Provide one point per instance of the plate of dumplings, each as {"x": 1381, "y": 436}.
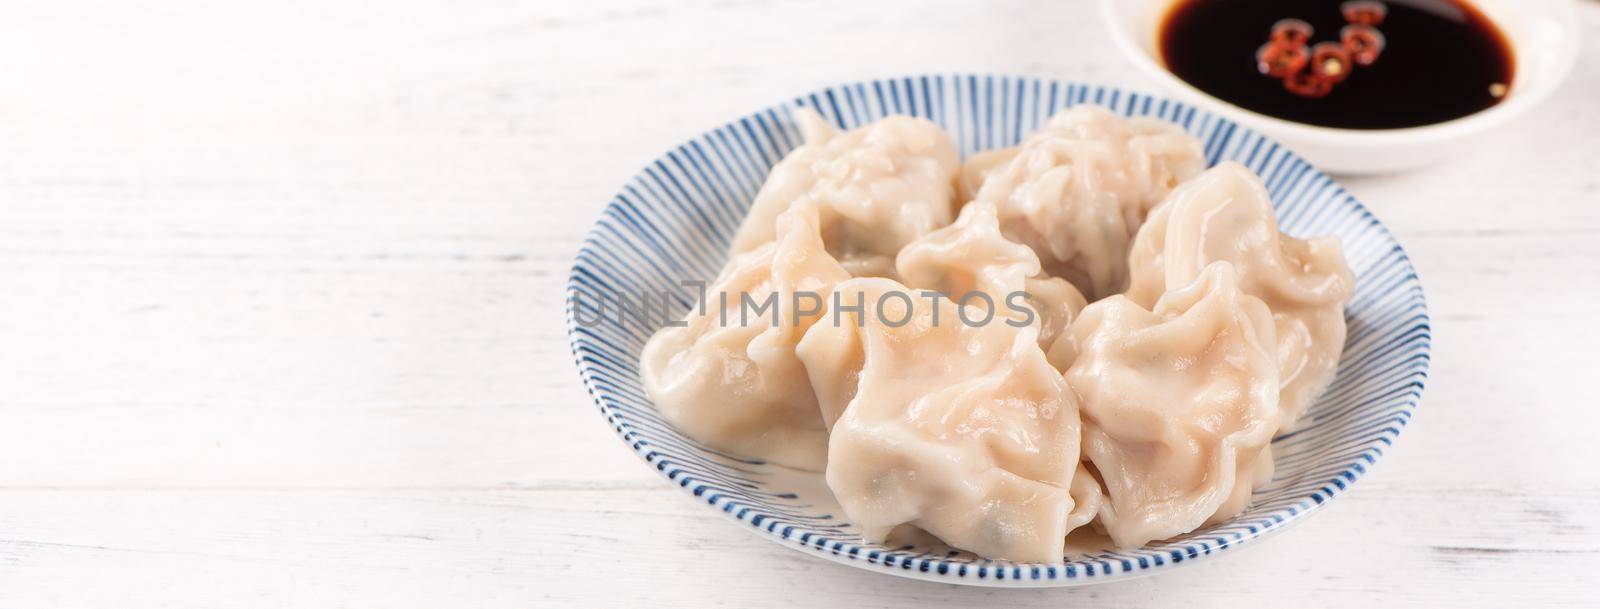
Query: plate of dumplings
{"x": 997, "y": 330}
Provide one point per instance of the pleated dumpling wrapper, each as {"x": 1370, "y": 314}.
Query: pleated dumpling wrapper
{"x": 1179, "y": 405}
{"x": 972, "y": 262}
{"x": 1077, "y": 190}
{"x": 969, "y": 180}
{"x": 729, "y": 376}
{"x": 1226, "y": 215}
{"x": 876, "y": 187}
{"x": 964, "y": 431}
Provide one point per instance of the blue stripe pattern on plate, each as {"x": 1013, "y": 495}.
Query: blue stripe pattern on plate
{"x": 674, "y": 220}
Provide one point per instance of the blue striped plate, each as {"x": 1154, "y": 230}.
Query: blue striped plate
{"x": 673, "y": 222}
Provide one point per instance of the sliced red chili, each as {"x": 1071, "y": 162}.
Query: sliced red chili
{"x": 1364, "y": 43}
{"x": 1364, "y": 12}
{"x": 1293, "y": 32}
{"x": 1280, "y": 60}
{"x": 1331, "y": 62}
{"x": 1307, "y": 84}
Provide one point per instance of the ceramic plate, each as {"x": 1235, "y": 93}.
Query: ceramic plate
{"x": 673, "y": 222}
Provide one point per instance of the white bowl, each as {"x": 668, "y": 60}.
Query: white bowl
{"x": 1544, "y": 40}
{"x": 672, "y": 222}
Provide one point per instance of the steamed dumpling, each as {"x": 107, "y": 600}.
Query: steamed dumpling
{"x": 963, "y": 431}
{"x": 968, "y": 256}
{"x": 977, "y": 169}
{"x": 1178, "y": 404}
{"x": 1077, "y": 190}
{"x": 876, "y": 188}
{"x": 1058, "y": 303}
{"x": 1225, "y": 214}
{"x": 729, "y": 377}
{"x": 972, "y": 256}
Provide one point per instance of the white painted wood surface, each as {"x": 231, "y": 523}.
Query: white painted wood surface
{"x": 280, "y": 314}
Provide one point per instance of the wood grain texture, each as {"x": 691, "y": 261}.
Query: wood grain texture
{"x": 283, "y": 289}
{"x": 651, "y": 547}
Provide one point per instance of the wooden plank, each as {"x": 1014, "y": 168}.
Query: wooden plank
{"x": 1484, "y": 547}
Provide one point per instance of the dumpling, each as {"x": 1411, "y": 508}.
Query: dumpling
{"x": 1088, "y": 497}
{"x": 1077, "y": 190}
{"x": 1058, "y": 303}
{"x": 876, "y": 188}
{"x": 729, "y": 377}
{"x": 969, "y": 256}
{"x": 972, "y": 256}
{"x": 964, "y": 431}
{"x": 1178, "y": 404}
{"x": 1225, "y": 214}
{"x": 977, "y": 168}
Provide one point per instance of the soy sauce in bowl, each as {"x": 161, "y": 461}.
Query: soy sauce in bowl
{"x": 1439, "y": 59}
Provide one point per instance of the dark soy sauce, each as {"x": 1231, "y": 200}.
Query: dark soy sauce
{"x": 1443, "y": 60}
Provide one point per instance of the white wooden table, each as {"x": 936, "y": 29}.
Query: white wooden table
{"x": 281, "y": 314}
